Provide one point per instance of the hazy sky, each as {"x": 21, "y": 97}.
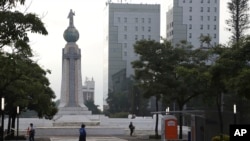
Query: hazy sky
{"x": 89, "y": 21}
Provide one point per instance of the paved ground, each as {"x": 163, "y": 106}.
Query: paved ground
{"x": 97, "y": 138}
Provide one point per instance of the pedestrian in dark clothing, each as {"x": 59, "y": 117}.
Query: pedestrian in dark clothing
{"x": 31, "y": 132}
{"x": 82, "y": 131}
{"x": 131, "y": 127}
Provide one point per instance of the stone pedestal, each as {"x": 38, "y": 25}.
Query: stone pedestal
{"x": 73, "y": 111}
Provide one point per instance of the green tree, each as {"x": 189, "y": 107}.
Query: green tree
{"x": 118, "y": 102}
{"x": 23, "y": 81}
{"x": 24, "y": 84}
{"x": 176, "y": 74}
{"x": 92, "y": 107}
{"x": 239, "y": 18}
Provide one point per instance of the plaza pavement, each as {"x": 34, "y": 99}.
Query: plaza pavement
{"x": 88, "y": 139}
{"x": 99, "y": 138}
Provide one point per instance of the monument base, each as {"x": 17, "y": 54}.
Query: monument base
{"x": 73, "y": 111}
{"x": 74, "y": 117}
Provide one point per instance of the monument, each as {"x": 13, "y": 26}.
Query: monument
{"x": 71, "y": 101}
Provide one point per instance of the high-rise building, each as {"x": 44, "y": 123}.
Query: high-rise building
{"x": 191, "y": 19}
{"x": 126, "y": 23}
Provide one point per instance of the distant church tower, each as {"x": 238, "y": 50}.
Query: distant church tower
{"x": 71, "y": 101}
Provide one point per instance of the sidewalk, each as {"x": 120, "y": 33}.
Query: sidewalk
{"x": 88, "y": 139}
{"x": 97, "y": 138}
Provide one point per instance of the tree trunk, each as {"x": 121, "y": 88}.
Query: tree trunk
{"x": 156, "y": 120}
{"x": 9, "y": 123}
{"x": 219, "y": 108}
{"x": 12, "y": 134}
{"x": 180, "y": 121}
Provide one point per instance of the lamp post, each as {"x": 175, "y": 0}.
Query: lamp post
{"x": 235, "y": 120}
{"x": 17, "y": 111}
{"x": 167, "y": 110}
{"x": 2, "y": 108}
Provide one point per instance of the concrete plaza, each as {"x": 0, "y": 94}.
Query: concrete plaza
{"x": 99, "y": 138}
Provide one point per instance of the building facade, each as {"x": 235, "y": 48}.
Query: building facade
{"x": 125, "y": 24}
{"x": 191, "y": 19}
{"x": 88, "y": 90}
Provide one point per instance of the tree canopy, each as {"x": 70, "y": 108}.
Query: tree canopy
{"x": 23, "y": 81}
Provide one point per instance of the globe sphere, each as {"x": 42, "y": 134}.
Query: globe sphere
{"x": 71, "y": 34}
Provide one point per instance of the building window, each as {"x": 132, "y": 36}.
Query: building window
{"x": 190, "y": 35}
{"x": 149, "y": 37}
{"x": 190, "y": 18}
{"x": 208, "y": 9}
{"x": 201, "y": 9}
{"x": 125, "y": 37}
{"x": 149, "y": 29}
{"x": 136, "y": 37}
{"x": 215, "y": 1}
{"x": 214, "y": 18}
{"x": 142, "y": 20}
{"x": 136, "y": 20}
{"x": 183, "y": 1}
{"x": 208, "y": 27}
{"x": 215, "y": 9}
{"x": 190, "y": 1}
{"x": 149, "y": 20}
{"x": 208, "y": 18}
{"x": 208, "y": 1}
{"x": 201, "y": 26}
{"x": 214, "y": 35}
{"x": 201, "y": 1}
{"x": 125, "y": 53}
{"x": 190, "y": 9}
{"x": 125, "y": 20}
{"x": 190, "y": 26}
{"x": 136, "y": 28}
{"x": 119, "y": 19}
{"x": 214, "y": 27}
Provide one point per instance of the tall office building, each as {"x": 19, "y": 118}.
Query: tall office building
{"x": 190, "y": 19}
{"x": 126, "y": 23}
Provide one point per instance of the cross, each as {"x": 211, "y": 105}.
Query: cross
{"x": 72, "y": 56}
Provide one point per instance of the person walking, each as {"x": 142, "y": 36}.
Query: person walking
{"x": 83, "y": 134}
{"x": 131, "y": 127}
{"x": 31, "y": 132}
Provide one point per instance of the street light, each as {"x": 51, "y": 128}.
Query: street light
{"x": 17, "y": 111}
{"x": 235, "y": 121}
{"x": 2, "y": 108}
{"x": 167, "y": 110}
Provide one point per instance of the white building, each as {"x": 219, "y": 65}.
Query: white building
{"x": 190, "y": 19}
{"x": 89, "y": 90}
{"x": 127, "y": 23}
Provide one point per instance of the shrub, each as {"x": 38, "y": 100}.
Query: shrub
{"x": 15, "y": 138}
{"x": 224, "y": 138}
{"x": 120, "y": 115}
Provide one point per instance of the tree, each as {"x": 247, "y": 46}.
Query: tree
{"x": 92, "y": 107}
{"x": 239, "y": 18}
{"x": 118, "y": 102}
{"x": 24, "y": 84}
{"x": 23, "y": 81}
{"x": 177, "y": 74}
